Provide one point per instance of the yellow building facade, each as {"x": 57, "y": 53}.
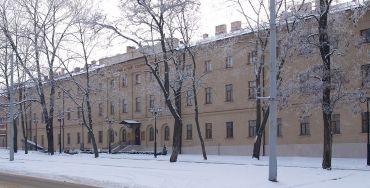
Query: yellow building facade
{"x": 124, "y": 91}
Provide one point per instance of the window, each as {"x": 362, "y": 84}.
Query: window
{"x": 151, "y": 76}
{"x": 151, "y": 101}
{"x": 189, "y": 98}
{"x": 124, "y": 81}
{"x": 229, "y": 62}
{"x": 166, "y": 133}
{"x": 42, "y": 139}
{"x": 151, "y": 134}
{"x": 78, "y": 138}
{"x": 68, "y": 138}
{"x": 305, "y": 125}
{"x": 42, "y": 118}
{"x": 111, "y": 108}
{"x": 89, "y": 138}
{"x": 207, "y": 66}
{"x": 229, "y": 92}
{"x": 111, "y": 136}
{"x": 229, "y": 129}
{"x": 365, "y": 74}
{"x": 137, "y": 104}
{"x": 335, "y": 123}
{"x": 208, "y": 95}
{"x": 365, "y": 122}
{"x": 252, "y": 57}
{"x": 100, "y": 109}
{"x": 365, "y": 34}
{"x": 34, "y": 139}
{"x": 208, "y": 130}
{"x": 112, "y": 83}
{"x": 68, "y": 114}
{"x": 100, "y": 139}
{"x": 124, "y": 106}
{"x": 303, "y": 86}
{"x": 137, "y": 79}
{"x": 79, "y": 112}
{"x": 279, "y": 124}
{"x": 59, "y": 139}
{"x": 189, "y": 70}
{"x": 252, "y": 90}
{"x": 189, "y": 131}
{"x": 59, "y": 94}
{"x": 252, "y": 128}
{"x": 124, "y": 135}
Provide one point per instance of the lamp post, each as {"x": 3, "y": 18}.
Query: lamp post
{"x": 272, "y": 91}
{"x": 60, "y": 131}
{"x": 155, "y": 111}
{"x": 110, "y": 136}
{"x": 363, "y": 100}
{"x": 63, "y": 122}
{"x": 35, "y": 121}
{"x": 82, "y": 145}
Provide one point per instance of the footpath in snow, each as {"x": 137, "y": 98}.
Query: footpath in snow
{"x": 142, "y": 171}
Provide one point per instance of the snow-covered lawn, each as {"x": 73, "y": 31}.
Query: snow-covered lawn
{"x": 136, "y": 171}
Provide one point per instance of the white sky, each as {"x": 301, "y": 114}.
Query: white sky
{"x": 213, "y": 12}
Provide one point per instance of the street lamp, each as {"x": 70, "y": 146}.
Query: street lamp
{"x": 110, "y": 135}
{"x": 82, "y": 145}
{"x": 35, "y": 121}
{"x": 363, "y": 100}
{"x": 155, "y": 111}
{"x": 60, "y": 117}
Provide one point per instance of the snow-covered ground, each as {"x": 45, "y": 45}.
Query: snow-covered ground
{"x": 139, "y": 171}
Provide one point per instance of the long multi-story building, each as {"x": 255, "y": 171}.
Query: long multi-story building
{"x": 125, "y": 92}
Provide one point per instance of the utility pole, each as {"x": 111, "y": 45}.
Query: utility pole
{"x": 273, "y": 106}
{"x": 11, "y": 115}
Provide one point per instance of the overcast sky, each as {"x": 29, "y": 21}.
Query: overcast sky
{"x": 213, "y": 12}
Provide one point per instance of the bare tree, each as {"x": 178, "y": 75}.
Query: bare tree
{"x": 45, "y": 25}
{"x": 256, "y": 15}
{"x": 153, "y": 28}
{"x": 86, "y": 38}
{"x": 327, "y": 32}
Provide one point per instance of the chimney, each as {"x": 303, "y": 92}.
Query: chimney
{"x": 62, "y": 71}
{"x": 77, "y": 69}
{"x": 93, "y": 63}
{"x": 205, "y": 35}
{"x": 236, "y": 26}
{"x": 130, "y": 49}
{"x": 220, "y": 29}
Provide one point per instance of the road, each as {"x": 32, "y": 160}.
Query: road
{"x": 18, "y": 181}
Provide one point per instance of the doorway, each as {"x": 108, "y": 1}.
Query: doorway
{"x": 137, "y": 136}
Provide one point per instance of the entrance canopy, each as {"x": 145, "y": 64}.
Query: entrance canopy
{"x": 130, "y": 122}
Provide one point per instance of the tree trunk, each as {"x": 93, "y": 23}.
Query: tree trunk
{"x": 257, "y": 147}
{"x": 260, "y": 131}
{"x": 15, "y": 135}
{"x": 324, "y": 46}
{"x": 328, "y": 140}
{"x": 89, "y": 116}
{"x": 197, "y": 123}
{"x": 178, "y": 123}
{"x": 196, "y": 108}
{"x": 95, "y": 147}
{"x": 176, "y": 140}
{"x": 24, "y": 128}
